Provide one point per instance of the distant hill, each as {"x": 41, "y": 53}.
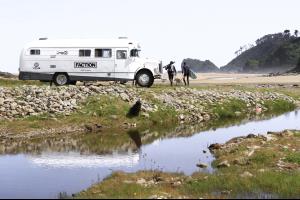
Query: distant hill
{"x": 278, "y": 52}
{"x": 297, "y": 68}
{"x": 201, "y": 66}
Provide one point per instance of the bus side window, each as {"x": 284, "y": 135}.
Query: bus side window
{"x": 35, "y": 52}
{"x": 84, "y": 53}
{"x": 103, "y": 53}
{"x": 121, "y": 54}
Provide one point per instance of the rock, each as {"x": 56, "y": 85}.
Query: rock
{"x": 246, "y": 175}
{"x": 73, "y": 102}
{"x": 206, "y": 117}
{"x": 124, "y": 97}
{"x": 215, "y": 147}
{"x": 251, "y": 136}
{"x": 177, "y": 184}
{"x": 2, "y": 101}
{"x": 223, "y": 164}
{"x": 241, "y": 161}
{"x": 238, "y": 114}
{"x": 13, "y": 106}
{"x": 202, "y": 165}
{"x": 181, "y": 117}
{"x": 258, "y": 110}
{"x": 225, "y": 192}
{"x": 269, "y": 138}
{"x": 287, "y": 133}
{"x": 113, "y": 117}
{"x": 146, "y": 115}
{"x": 67, "y": 95}
{"x": 30, "y": 110}
{"x": 93, "y": 128}
{"x": 262, "y": 170}
{"x": 141, "y": 181}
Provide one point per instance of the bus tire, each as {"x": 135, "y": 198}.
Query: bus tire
{"x": 144, "y": 78}
{"x": 61, "y": 79}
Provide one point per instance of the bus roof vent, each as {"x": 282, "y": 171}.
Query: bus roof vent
{"x": 123, "y": 38}
{"x": 43, "y": 38}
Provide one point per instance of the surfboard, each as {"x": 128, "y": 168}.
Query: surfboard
{"x": 193, "y": 74}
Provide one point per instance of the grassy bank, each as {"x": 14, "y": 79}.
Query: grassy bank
{"x": 111, "y": 115}
{"x": 14, "y": 83}
{"x": 102, "y": 124}
{"x": 109, "y": 112}
{"x": 270, "y": 171}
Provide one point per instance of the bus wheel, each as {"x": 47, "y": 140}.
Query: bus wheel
{"x": 145, "y": 79}
{"x": 61, "y": 79}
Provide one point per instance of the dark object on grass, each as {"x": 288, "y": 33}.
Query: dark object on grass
{"x": 135, "y": 110}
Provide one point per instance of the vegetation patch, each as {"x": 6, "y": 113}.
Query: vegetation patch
{"x": 15, "y": 82}
{"x": 293, "y": 158}
{"x": 279, "y": 106}
{"x": 230, "y": 109}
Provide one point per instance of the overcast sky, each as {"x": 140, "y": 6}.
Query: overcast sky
{"x": 167, "y": 29}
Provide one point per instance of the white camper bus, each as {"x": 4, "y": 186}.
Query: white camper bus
{"x": 66, "y": 61}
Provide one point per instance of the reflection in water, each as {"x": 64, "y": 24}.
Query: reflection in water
{"x": 108, "y": 143}
{"x": 75, "y": 160}
{"x": 135, "y": 136}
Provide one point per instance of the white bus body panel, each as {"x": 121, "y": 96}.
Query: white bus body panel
{"x": 57, "y": 56}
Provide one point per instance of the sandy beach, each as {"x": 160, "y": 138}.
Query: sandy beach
{"x": 219, "y": 78}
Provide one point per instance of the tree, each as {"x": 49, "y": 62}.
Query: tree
{"x": 296, "y": 33}
{"x": 297, "y": 68}
{"x": 252, "y": 65}
{"x": 287, "y": 33}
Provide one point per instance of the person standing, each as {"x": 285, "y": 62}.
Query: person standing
{"x": 171, "y": 71}
{"x": 186, "y": 73}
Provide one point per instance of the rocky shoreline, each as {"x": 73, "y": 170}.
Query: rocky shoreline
{"x": 230, "y": 154}
{"x": 26, "y": 101}
{"x": 191, "y": 104}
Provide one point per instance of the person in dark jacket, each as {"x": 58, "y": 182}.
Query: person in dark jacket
{"x": 186, "y": 73}
{"x": 171, "y": 71}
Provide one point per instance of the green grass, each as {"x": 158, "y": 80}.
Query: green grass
{"x": 293, "y": 158}
{"x": 297, "y": 134}
{"x": 15, "y": 82}
{"x": 276, "y": 183}
{"x": 279, "y": 106}
{"x": 228, "y": 110}
{"x": 265, "y": 158}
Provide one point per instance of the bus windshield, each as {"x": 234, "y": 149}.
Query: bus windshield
{"x": 135, "y": 53}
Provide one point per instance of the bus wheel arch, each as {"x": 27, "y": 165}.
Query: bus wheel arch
{"x": 144, "y": 78}
{"x": 61, "y": 78}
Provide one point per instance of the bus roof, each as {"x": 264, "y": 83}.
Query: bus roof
{"x": 83, "y": 43}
